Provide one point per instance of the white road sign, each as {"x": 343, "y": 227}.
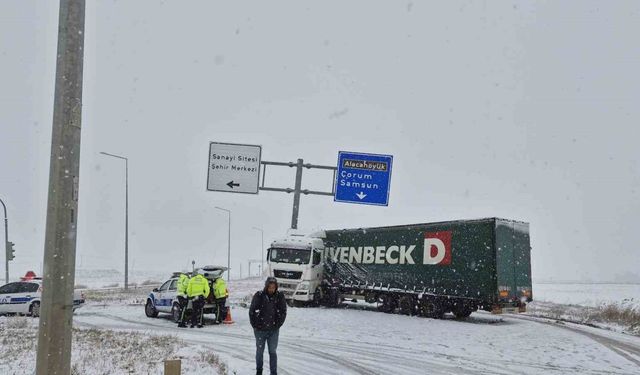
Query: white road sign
{"x": 233, "y": 168}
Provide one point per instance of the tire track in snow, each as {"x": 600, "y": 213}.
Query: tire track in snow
{"x": 296, "y": 348}
{"x": 621, "y": 348}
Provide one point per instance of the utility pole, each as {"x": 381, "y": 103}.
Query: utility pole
{"x": 6, "y": 243}
{"x": 261, "y": 247}
{"x": 126, "y": 216}
{"x": 54, "y": 334}
{"x": 297, "y": 190}
{"x": 228, "y": 241}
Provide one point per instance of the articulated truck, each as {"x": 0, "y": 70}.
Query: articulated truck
{"x": 419, "y": 269}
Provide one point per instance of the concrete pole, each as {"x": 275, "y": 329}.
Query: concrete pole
{"x": 54, "y": 334}
{"x": 296, "y": 194}
{"x": 6, "y": 243}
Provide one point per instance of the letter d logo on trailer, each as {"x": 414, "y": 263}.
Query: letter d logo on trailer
{"x": 437, "y": 248}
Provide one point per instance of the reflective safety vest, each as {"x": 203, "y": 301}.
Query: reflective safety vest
{"x": 220, "y": 288}
{"x": 198, "y": 286}
{"x": 183, "y": 283}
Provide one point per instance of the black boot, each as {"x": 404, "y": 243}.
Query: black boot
{"x": 259, "y": 372}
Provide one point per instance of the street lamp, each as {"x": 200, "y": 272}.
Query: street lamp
{"x": 6, "y": 242}
{"x": 261, "y": 249}
{"x": 126, "y": 217}
{"x": 228, "y": 241}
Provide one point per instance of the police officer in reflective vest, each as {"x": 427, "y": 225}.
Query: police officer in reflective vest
{"x": 197, "y": 290}
{"x": 183, "y": 283}
{"x": 221, "y": 293}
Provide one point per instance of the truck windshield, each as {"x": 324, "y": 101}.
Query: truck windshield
{"x": 299, "y": 256}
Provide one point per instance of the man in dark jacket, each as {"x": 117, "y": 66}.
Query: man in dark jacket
{"x": 267, "y": 314}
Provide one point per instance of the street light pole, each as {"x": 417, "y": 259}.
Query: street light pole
{"x": 6, "y": 243}
{"x": 126, "y": 216}
{"x": 261, "y": 249}
{"x": 228, "y": 242}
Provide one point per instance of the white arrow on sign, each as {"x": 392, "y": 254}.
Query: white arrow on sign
{"x": 361, "y": 195}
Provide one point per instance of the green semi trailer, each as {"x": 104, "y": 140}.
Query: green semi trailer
{"x": 425, "y": 269}
{"x": 431, "y": 269}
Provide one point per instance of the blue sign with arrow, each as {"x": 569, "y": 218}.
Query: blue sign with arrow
{"x": 363, "y": 178}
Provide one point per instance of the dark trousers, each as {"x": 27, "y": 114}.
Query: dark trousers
{"x": 270, "y": 337}
{"x": 196, "y": 312}
{"x": 183, "y": 302}
{"x": 221, "y": 311}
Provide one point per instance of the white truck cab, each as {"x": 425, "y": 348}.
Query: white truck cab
{"x": 296, "y": 261}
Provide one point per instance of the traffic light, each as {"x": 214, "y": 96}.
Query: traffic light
{"x": 10, "y": 251}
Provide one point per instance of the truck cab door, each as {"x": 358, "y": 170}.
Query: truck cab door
{"x": 317, "y": 267}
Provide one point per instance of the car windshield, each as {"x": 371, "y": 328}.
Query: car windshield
{"x": 299, "y": 256}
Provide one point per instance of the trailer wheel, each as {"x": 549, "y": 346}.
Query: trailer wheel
{"x": 462, "y": 312}
{"x": 407, "y": 305}
{"x": 431, "y": 309}
{"x": 333, "y": 298}
{"x": 386, "y": 303}
{"x": 370, "y": 297}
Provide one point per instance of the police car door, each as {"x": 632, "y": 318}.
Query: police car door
{"x": 161, "y": 298}
{"x": 7, "y": 292}
{"x": 27, "y": 292}
{"x": 170, "y": 295}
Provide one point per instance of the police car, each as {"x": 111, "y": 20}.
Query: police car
{"x": 164, "y": 299}
{"x": 23, "y": 297}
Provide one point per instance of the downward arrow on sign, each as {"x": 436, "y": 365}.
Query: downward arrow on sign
{"x": 361, "y": 195}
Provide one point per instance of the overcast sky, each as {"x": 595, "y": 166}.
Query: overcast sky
{"x": 496, "y": 108}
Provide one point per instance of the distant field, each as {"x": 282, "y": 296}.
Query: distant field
{"x": 587, "y": 294}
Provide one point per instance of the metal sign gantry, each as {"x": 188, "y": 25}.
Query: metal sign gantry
{"x": 297, "y": 190}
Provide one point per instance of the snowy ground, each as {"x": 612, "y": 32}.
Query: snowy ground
{"x": 588, "y": 294}
{"x": 360, "y": 341}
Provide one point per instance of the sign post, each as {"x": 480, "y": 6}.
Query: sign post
{"x": 233, "y": 168}
{"x": 363, "y": 178}
{"x": 359, "y": 178}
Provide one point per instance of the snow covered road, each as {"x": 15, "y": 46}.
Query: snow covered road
{"x": 355, "y": 341}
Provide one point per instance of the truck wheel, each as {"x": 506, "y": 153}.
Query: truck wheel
{"x": 407, "y": 305}
{"x": 150, "y": 310}
{"x": 462, "y": 312}
{"x": 431, "y": 309}
{"x": 386, "y": 303}
{"x": 176, "y": 312}
{"x": 35, "y": 309}
{"x": 317, "y": 297}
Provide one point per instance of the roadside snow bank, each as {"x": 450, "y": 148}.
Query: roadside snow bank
{"x": 620, "y": 317}
{"x": 98, "y": 352}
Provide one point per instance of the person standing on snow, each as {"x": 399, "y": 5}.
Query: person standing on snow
{"x": 183, "y": 283}
{"x": 197, "y": 290}
{"x": 267, "y": 314}
{"x": 220, "y": 293}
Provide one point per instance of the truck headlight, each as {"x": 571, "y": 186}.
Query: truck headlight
{"x": 303, "y": 285}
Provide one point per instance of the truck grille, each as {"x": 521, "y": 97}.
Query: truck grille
{"x": 287, "y": 274}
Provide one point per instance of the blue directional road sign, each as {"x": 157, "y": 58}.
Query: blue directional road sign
{"x": 363, "y": 178}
